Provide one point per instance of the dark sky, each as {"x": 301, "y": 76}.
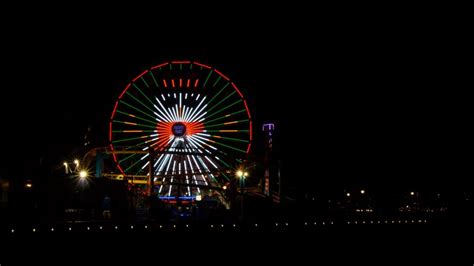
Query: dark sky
{"x": 371, "y": 102}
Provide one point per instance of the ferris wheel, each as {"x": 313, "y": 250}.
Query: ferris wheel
{"x": 194, "y": 118}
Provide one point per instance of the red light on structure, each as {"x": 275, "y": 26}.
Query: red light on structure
{"x": 222, "y": 75}
{"x": 110, "y": 127}
{"x": 196, "y": 83}
{"x": 158, "y": 66}
{"x": 164, "y": 82}
{"x": 123, "y": 92}
{"x": 247, "y": 108}
{"x": 139, "y": 76}
{"x": 250, "y": 130}
{"x": 199, "y": 64}
{"x": 180, "y": 62}
{"x": 115, "y": 109}
{"x": 238, "y": 91}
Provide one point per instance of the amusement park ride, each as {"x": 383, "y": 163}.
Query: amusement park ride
{"x": 178, "y": 131}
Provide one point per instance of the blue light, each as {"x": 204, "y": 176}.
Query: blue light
{"x": 182, "y": 197}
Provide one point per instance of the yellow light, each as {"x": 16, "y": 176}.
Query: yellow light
{"x": 224, "y": 187}
{"x": 362, "y": 191}
{"x": 76, "y": 161}
{"x": 246, "y": 174}
{"x": 83, "y": 174}
{"x": 240, "y": 173}
{"x": 65, "y": 164}
{"x": 348, "y": 194}
{"x": 412, "y": 193}
{"x": 198, "y": 198}
{"x": 29, "y": 185}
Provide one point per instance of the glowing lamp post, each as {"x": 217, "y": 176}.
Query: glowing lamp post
{"x": 241, "y": 175}
{"x": 83, "y": 174}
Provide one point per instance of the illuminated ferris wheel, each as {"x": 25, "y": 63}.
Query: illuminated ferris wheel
{"x": 194, "y": 118}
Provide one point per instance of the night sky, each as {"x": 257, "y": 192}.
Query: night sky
{"x": 353, "y": 102}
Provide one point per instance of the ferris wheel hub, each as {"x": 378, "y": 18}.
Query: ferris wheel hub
{"x": 178, "y": 129}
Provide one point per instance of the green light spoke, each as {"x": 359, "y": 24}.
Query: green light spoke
{"x": 144, "y": 95}
{"x": 227, "y": 123}
{"x": 128, "y": 139}
{"x": 144, "y": 105}
{"x": 225, "y": 176}
{"x": 135, "y": 108}
{"x": 224, "y": 163}
{"x": 231, "y": 139}
{"x": 171, "y": 66}
{"x": 228, "y": 106}
{"x": 225, "y": 86}
{"x": 191, "y": 66}
{"x": 134, "y": 131}
{"x": 213, "y": 178}
{"x": 135, "y": 163}
{"x": 230, "y": 147}
{"x": 137, "y": 117}
{"x": 208, "y": 76}
{"x": 180, "y": 66}
{"x": 227, "y": 130}
{"x": 225, "y": 116}
{"x": 154, "y": 80}
{"x": 144, "y": 81}
{"x": 128, "y": 157}
{"x": 132, "y": 124}
{"x": 215, "y": 83}
{"x": 221, "y": 101}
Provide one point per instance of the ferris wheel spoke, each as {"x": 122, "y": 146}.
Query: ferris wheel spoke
{"x": 225, "y": 108}
{"x": 227, "y": 123}
{"x": 165, "y": 116}
{"x": 207, "y": 78}
{"x": 231, "y": 139}
{"x": 196, "y": 145}
{"x": 130, "y": 139}
{"x": 227, "y": 130}
{"x": 226, "y": 116}
{"x": 230, "y": 147}
{"x": 140, "y": 102}
{"x": 161, "y": 117}
{"x": 221, "y": 144}
{"x": 133, "y": 131}
{"x": 132, "y": 124}
{"x": 144, "y": 81}
{"x": 197, "y": 110}
{"x": 137, "y": 109}
{"x": 217, "y": 80}
{"x": 128, "y": 157}
{"x": 210, "y": 161}
{"x": 154, "y": 79}
{"x": 202, "y": 142}
{"x": 217, "y": 94}
{"x": 150, "y": 140}
{"x": 141, "y": 92}
{"x": 136, "y": 117}
{"x": 132, "y": 165}
{"x": 221, "y": 101}
{"x": 162, "y": 164}
{"x": 161, "y": 143}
